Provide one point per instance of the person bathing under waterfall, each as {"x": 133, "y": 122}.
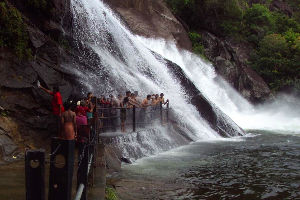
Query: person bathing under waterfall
{"x": 68, "y": 124}
{"x": 57, "y": 105}
{"x": 90, "y": 106}
{"x": 124, "y": 105}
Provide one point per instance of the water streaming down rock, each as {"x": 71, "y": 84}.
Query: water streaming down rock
{"x": 281, "y": 115}
{"x": 118, "y": 61}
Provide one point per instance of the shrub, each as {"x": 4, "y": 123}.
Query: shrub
{"x": 259, "y": 22}
{"x": 13, "y": 32}
{"x": 275, "y": 61}
{"x": 284, "y": 23}
{"x": 197, "y": 45}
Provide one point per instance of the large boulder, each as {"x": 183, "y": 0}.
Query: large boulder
{"x": 217, "y": 120}
{"x": 151, "y": 19}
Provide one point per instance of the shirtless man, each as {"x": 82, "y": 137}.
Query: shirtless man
{"x": 162, "y": 99}
{"x": 68, "y": 124}
{"x": 137, "y": 98}
{"x": 146, "y": 102}
{"x": 133, "y": 100}
{"x": 155, "y": 100}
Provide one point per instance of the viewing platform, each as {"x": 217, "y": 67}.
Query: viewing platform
{"x": 106, "y": 125}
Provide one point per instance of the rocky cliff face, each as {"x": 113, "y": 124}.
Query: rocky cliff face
{"x": 151, "y": 19}
{"x": 25, "y": 115}
{"x": 229, "y": 59}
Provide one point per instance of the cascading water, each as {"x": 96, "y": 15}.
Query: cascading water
{"x": 281, "y": 115}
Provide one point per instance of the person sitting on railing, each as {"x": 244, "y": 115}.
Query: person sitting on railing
{"x": 68, "y": 123}
{"x": 124, "y": 106}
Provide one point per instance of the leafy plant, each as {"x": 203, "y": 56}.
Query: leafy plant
{"x": 259, "y": 21}
{"x": 110, "y": 194}
{"x": 13, "y": 32}
{"x": 275, "y": 61}
{"x": 197, "y": 45}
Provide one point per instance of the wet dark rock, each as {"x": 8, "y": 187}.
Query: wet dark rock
{"x": 230, "y": 61}
{"x": 14, "y": 74}
{"x": 7, "y": 146}
{"x": 37, "y": 38}
{"x": 217, "y": 120}
{"x": 112, "y": 158}
{"x": 126, "y": 160}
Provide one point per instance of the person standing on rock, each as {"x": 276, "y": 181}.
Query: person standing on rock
{"x": 57, "y": 105}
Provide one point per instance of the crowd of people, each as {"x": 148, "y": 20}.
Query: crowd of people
{"x": 71, "y": 119}
{"x": 130, "y": 100}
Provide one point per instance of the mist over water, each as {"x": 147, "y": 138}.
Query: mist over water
{"x": 282, "y": 114}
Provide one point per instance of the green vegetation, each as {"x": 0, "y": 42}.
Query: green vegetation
{"x": 196, "y": 40}
{"x": 110, "y": 194}
{"x": 273, "y": 36}
{"x": 277, "y": 59}
{"x": 13, "y": 32}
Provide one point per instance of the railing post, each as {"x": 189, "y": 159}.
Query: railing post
{"x": 35, "y": 174}
{"x": 161, "y": 113}
{"x": 82, "y": 173}
{"x": 61, "y": 169}
{"x": 168, "y": 111}
{"x": 133, "y": 119}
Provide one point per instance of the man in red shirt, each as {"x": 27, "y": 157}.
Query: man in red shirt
{"x": 57, "y": 105}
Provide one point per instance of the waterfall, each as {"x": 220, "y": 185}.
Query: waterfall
{"x": 282, "y": 115}
{"x": 114, "y": 60}
{"x": 121, "y": 62}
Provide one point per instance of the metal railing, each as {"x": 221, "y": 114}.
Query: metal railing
{"x": 131, "y": 119}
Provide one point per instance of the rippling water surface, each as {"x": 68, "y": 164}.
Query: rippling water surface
{"x": 263, "y": 165}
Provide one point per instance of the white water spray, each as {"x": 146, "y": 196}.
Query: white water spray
{"x": 283, "y": 115}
